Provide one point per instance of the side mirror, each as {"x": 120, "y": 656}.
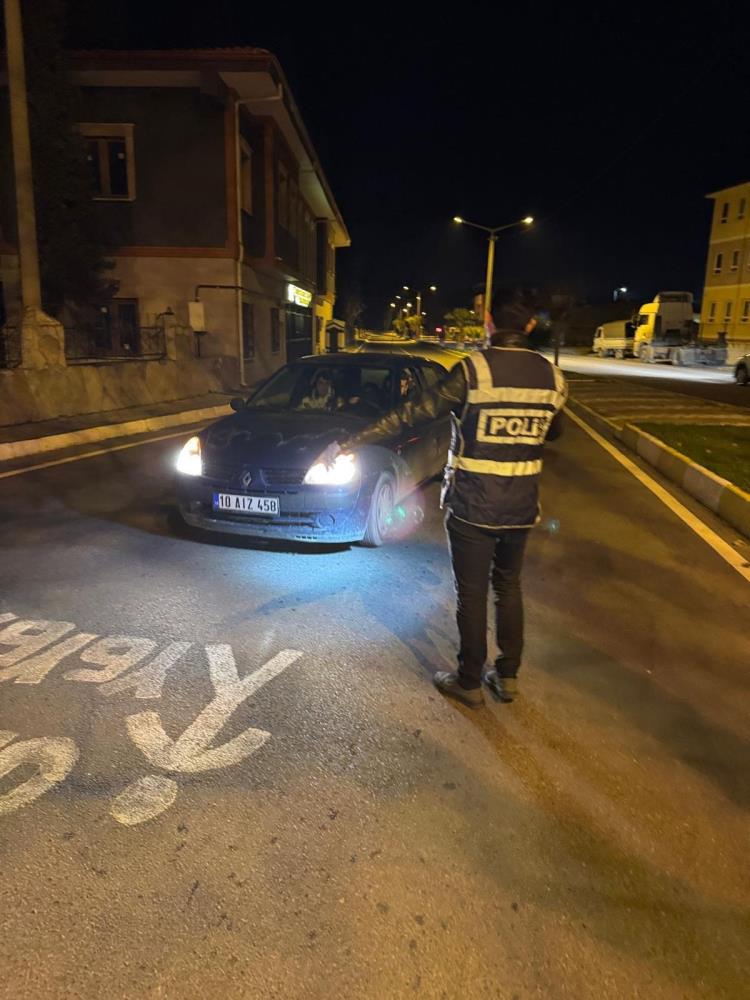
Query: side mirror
{"x": 237, "y": 404}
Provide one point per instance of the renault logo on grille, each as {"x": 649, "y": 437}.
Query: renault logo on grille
{"x": 246, "y": 479}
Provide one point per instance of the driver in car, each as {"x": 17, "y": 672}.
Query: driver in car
{"x": 321, "y": 395}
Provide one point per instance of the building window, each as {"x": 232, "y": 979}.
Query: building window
{"x": 725, "y": 212}
{"x": 727, "y": 312}
{"x": 248, "y": 332}
{"x": 741, "y": 209}
{"x": 283, "y": 197}
{"x": 246, "y": 177}
{"x": 110, "y": 159}
{"x": 711, "y": 312}
{"x": 735, "y": 259}
{"x": 293, "y": 226}
{"x": 745, "y": 317}
{"x": 311, "y": 247}
{"x": 275, "y": 332}
{"x": 718, "y": 263}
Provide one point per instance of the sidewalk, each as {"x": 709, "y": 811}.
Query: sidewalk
{"x": 620, "y": 411}
{"x": 24, "y": 440}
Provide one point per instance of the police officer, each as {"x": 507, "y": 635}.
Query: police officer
{"x": 505, "y": 402}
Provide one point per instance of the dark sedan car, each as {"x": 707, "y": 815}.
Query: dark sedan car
{"x": 258, "y": 472}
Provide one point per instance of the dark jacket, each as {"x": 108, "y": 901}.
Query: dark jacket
{"x": 491, "y": 478}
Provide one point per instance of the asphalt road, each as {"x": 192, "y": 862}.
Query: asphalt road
{"x": 246, "y": 786}
{"x": 717, "y": 384}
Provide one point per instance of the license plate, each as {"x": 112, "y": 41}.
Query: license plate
{"x": 235, "y": 503}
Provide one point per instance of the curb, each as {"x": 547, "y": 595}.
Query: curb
{"x": 722, "y": 497}
{"x": 90, "y": 435}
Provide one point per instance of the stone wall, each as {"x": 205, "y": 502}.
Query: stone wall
{"x": 27, "y": 396}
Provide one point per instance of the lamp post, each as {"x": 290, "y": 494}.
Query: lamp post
{"x": 432, "y": 288}
{"x": 619, "y": 291}
{"x": 419, "y": 295}
{"x": 492, "y": 238}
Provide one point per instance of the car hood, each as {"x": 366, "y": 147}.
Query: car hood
{"x": 276, "y": 439}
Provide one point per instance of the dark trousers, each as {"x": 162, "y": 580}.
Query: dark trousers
{"x": 475, "y": 553}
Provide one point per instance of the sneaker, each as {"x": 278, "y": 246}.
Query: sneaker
{"x": 504, "y": 689}
{"x": 448, "y": 684}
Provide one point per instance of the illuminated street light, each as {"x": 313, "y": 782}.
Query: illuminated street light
{"x": 493, "y": 231}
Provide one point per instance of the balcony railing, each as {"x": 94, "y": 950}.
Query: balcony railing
{"x": 85, "y": 344}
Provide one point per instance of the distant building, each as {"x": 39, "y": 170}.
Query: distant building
{"x": 726, "y": 294}
{"x": 206, "y": 176}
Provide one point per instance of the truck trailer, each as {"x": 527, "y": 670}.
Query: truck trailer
{"x": 666, "y": 330}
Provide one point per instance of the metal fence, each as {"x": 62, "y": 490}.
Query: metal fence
{"x": 85, "y": 344}
{"x": 10, "y": 347}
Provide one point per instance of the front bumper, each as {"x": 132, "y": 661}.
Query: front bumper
{"x": 325, "y": 514}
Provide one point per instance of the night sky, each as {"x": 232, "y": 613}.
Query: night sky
{"x": 608, "y": 127}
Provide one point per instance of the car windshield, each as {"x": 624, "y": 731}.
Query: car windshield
{"x": 366, "y": 390}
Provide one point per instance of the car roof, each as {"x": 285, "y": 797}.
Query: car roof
{"x": 361, "y": 357}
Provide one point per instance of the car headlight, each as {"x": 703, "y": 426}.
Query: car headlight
{"x": 189, "y": 461}
{"x": 342, "y": 471}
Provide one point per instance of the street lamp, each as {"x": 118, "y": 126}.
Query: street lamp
{"x": 432, "y": 288}
{"x": 493, "y": 231}
{"x": 619, "y": 291}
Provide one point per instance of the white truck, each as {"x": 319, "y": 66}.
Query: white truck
{"x": 666, "y": 330}
{"x": 614, "y": 339}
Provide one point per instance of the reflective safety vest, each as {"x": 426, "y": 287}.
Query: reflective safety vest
{"x": 492, "y": 475}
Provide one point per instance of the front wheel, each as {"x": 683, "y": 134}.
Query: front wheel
{"x": 742, "y": 375}
{"x": 381, "y": 510}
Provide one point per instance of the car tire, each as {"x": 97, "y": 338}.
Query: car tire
{"x": 382, "y": 503}
{"x": 742, "y": 376}
{"x": 619, "y": 354}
